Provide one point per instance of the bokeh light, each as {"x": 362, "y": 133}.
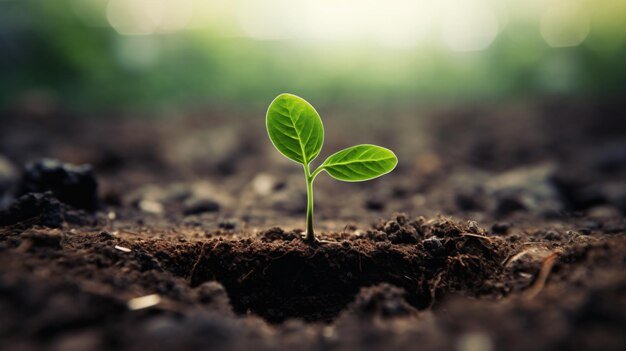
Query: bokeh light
{"x": 469, "y": 25}
{"x": 565, "y": 23}
{"x": 143, "y": 17}
{"x": 233, "y": 50}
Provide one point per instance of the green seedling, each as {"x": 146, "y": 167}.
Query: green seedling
{"x": 296, "y": 130}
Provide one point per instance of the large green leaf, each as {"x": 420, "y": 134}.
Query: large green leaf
{"x": 361, "y": 162}
{"x": 295, "y": 128}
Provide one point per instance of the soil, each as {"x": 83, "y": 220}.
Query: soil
{"x": 502, "y": 228}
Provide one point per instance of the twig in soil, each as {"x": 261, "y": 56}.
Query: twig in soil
{"x": 478, "y": 236}
{"x": 459, "y": 258}
{"x": 122, "y": 248}
{"x": 542, "y": 252}
{"x": 245, "y": 276}
{"x": 317, "y": 241}
{"x": 16, "y": 226}
{"x": 193, "y": 268}
{"x": 433, "y": 289}
{"x": 142, "y": 302}
{"x": 510, "y": 259}
{"x": 344, "y": 229}
{"x": 544, "y": 272}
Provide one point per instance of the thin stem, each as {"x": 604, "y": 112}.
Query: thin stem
{"x": 310, "y": 235}
{"x": 316, "y": 172}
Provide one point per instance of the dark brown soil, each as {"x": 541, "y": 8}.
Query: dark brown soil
{"x": 502, "y": 228}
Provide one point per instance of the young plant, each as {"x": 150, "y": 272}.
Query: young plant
{"x": 296, "y": 130}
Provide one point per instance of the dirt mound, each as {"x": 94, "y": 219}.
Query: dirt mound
{"x": 42, "y": 209}
{"x": 280, "y": 276}
{"x": 190, "y": 247}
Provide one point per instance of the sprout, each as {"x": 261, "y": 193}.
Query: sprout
{"x": 296, "y": 130}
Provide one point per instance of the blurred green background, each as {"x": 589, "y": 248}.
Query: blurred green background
{"x": 149, "y": 54}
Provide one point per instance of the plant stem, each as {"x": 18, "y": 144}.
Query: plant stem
{"x": 310, "y": 235}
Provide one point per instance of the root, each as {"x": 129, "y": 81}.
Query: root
{"x": 478, "y": 236}
{"x": 195, "y": 265}
{"x": 538, "y": 252}
{"x": 433, "y": 288}
{"x": 542, "y": 277}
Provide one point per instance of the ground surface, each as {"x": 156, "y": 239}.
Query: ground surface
{"x": 502, "y": 228}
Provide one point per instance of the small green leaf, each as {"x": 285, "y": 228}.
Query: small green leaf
{"x": 361, "y": 162}
{"x": 295, "y": 128}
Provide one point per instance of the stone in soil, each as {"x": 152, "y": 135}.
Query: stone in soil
{"x": 71, "y": 184}
{"x": 42, "y": 209}
{"x": 382, "y": 300}
{"x": 194, "y": 206}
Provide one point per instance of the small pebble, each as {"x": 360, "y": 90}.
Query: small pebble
{"x": 194, "y": 206}
{"x": 329, "y": 332}
{"x": 107, "y": 234}
{"x": 263, "y": 184}
{"x": 374, "y": 204}
{"x": 434, "y": 246}
{"x": 474, "y": 341}
{"x": 473, "y": 227}
{"x": 552, "y": 235}
{"x": 228, "y": 224}
{"x": 212, "y": 292}
{"x": 150, "y": 206}
{"x": 500, "y": 228}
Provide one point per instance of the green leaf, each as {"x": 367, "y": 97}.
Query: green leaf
{"x": 361, "y": 162}
{"x": 295, "y": 128}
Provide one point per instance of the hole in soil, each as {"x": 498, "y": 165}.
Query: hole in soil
{"x": 279, "y": 276}
{"x": 280, "y": 280}
{"x": 291, "y": 279}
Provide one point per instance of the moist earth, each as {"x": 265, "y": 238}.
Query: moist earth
{"x": 502, "y": 228}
